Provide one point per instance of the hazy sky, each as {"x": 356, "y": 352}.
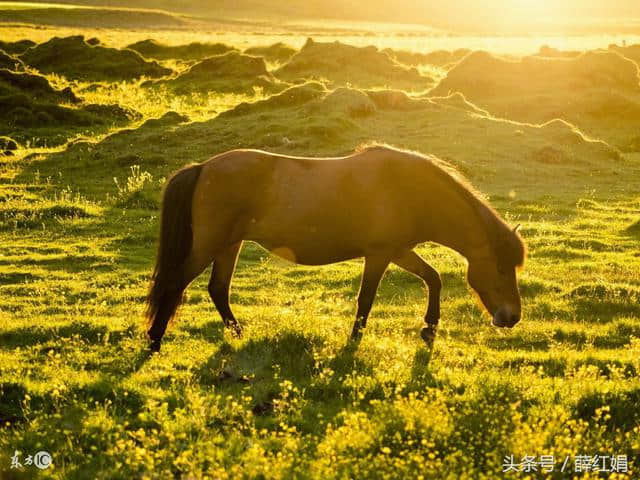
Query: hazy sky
{"x": 468, "y": 13}
{"x": 511, "y": 15}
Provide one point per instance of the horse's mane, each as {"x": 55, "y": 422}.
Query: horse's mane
{"x": 506, "y": 242}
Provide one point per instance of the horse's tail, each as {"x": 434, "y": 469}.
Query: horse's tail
{"x": 176, "y": 240}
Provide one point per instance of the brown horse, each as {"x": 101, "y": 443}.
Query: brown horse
{"x": 378, "y": 203}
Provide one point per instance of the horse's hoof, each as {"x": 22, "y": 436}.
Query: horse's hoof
{"x": 356, "y": 334}
{"x": 428, "y": 334}
{"x": 236, "y": 330}
{"x": 154, "y": 346}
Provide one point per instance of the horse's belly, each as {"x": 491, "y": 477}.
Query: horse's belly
{"x": 313, "y": 253}
{"x": 328, "y": 230}
{"x": 321, "y": 249}
{"x": 307, "y": 244}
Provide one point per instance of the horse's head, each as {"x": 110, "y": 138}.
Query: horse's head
{"x": 493, "y": 277}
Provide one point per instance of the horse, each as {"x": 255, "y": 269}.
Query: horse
{"x": 378, "y": 203}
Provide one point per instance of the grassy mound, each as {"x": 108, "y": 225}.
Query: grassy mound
{"x": 309, "y": 118}
{"x": 458, "y": 100}
{"x": 593, "y": 90}
{"x": 168, "y": 119}
{"x": 547, "y": 51}
{"x": 192, "y": 51}
{"x": 16, "y": 48}
{"x": 631, "y": 52}
{"x": 610, "y": 292}
{"x": 440, "y": 58}
{"x": 291, "y": 97}
{"x": 481, "y": 74}
{"x": 76, "y": 59}
{"x": 36, "y": 113}
{"x": 394, "y": 100}
{"x": 340, "y": 64}
{"x": 230, "y": 72}
{"x": 347, "y": 102}
{"x": 276, "y": 53}
{"x": 232, "y": 65}
{"x": 9, "y": 62}
{"x": 35, "y": 215}
{"x": 634, "y": 229}
{"x": 7, "y": 146}
{"x": 36, "y": 87}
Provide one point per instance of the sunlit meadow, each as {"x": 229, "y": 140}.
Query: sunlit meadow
{"x": 79, "y": 216}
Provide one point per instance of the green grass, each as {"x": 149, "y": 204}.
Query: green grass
{"x": 292, "y": 398}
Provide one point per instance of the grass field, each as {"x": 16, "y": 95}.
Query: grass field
{"x": 79, "y": 208}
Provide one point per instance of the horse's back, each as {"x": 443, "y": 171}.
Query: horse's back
{"x": 322, "y": 209}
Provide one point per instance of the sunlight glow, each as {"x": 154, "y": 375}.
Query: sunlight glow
{"x": 533, "y": 10}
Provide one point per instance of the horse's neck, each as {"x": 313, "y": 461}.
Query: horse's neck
{"x": 463, "y": 225}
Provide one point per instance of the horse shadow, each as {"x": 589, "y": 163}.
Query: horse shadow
{"x": 259, "y": 366}
{"x": 420, "y": 372}
{"x": 285, "y": 355}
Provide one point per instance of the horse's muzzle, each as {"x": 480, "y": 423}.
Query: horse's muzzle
{"x": 505, "y": 318}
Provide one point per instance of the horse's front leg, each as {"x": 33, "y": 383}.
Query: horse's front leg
{"x": 374, "y": 268}
{"x": 413, "y": 263}
{"x": 223, "y": 266}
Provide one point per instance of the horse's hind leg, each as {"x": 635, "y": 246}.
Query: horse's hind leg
{"x": 413, "y": 263}
{"x": 172, "y": 297}
{"x": 374, "y": 268}
{"x": 223, "y": 266}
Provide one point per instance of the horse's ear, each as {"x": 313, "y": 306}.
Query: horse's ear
{"x": 516, "y": 228}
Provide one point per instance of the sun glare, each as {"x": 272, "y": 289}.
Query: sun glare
{"x": 531, "y": 12}
{"x": 534, "y": 8}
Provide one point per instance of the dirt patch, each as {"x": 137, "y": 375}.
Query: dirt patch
{"x": 231, "y": 72}
{"x": 276, "y": 53}
{"x": 344, "y": 65}
{"x": 76, "y": 59}
{"x": 192, "y": 51}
